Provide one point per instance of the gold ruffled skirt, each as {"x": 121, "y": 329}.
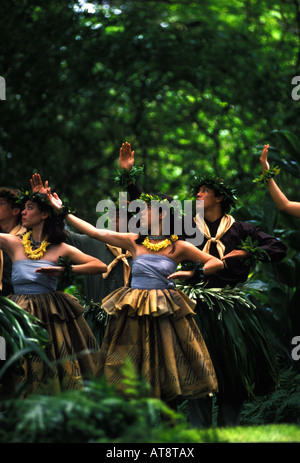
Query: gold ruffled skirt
{"x": 155, "y": 330}
{"x": 73, "y": 350}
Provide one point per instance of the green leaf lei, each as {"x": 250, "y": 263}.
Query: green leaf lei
{"x": 147, "y": 198}
{"x": 263, "y": 179}
{"x": 65, "y": 210}
{"x": 125, "y": 176}
{"x": 198, "y": 269}
{"x": 66, "y": 262}
{"x": 255, "y": 252}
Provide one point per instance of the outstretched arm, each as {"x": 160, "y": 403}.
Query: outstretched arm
{"x": 189, "y": 252}
{"x": 82, "y": 263}
{"x": 121, "y": 240}
{"x": 11, "y": 244}
{"x": 281, "y": 201}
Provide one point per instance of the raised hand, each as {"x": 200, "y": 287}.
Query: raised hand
{"x": 126, "y": 158}
{"x": 37, "y": 184}
{"x": 264, "y": 159}
{"x": 55, "y": 201}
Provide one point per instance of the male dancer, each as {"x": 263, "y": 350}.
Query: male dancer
{"x": 243, "y": 358}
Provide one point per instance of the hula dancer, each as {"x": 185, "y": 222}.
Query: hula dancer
{"x": 241, "y": 353}
{"x": 151, "y": 324}
{"x": 96, "y": 286}
{"x": 36, "y": 266}
{"x": 244, "y": 360}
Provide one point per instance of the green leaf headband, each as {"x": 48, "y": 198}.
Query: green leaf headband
{"x": 218, "y": 185}
{"x": 9, "y": 196}
{"x": 40, "y": 198}
{"x": 147, "y": 198}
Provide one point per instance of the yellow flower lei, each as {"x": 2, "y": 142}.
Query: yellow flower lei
{"x": 159, "y": 246}
{"x": 36, "y": 253}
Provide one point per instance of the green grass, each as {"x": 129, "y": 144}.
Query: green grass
{"x": 252, "y": 434}
{"x": 97, "y": 414}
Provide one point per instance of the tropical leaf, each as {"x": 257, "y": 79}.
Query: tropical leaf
{"x": 22, "y": 332}
{"x": 220, "y": 298}
{"x": 289, "y": 142}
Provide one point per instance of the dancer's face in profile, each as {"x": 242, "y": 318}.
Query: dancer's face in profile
{"x": 152, "y": 220}
{"x": 6, "y": 211}
{"x": 146, "y": 216}
{"x": 31, "y": 215}
{"x": 208, "y": 196}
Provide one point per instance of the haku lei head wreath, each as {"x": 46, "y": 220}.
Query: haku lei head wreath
{"x": 10, "y": 195}
{"x": 165, "y": 200}
{"x": 44, "y": 204}
{"x": 152, "y": 197}
{"x": 220, "y": 188}
{"x": 40, "y": 198}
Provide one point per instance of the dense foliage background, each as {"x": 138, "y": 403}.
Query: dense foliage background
{"x": 193, "y": 86}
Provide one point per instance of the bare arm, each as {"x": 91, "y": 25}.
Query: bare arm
{"x": 189, "y": 252}
{"x": 121, "y": 240}
{"x": 281, "y": 201}
{"x": 83, "y": 264}
{"x": 11, "y": 244}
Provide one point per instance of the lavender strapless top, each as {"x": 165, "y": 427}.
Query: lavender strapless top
{"x": 26, "y": 281}
{"x": 150, "y": 271}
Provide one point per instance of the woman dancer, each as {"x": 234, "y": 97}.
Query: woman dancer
{"x": 281, "y": 201}
{"x": 35, "y": 270}
{"x": 152, "y": 323}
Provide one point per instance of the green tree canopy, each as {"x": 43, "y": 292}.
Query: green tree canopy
{"x": 194, "y": 86}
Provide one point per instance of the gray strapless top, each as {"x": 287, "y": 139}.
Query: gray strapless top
{"x": 150, "y": 271}
{"x": 26, "y": 281}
